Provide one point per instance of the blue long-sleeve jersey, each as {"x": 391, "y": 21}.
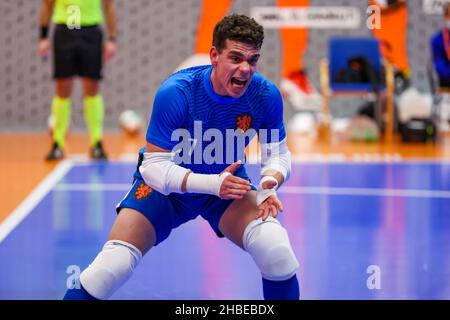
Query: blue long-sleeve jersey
{"x": 188, "y": 115}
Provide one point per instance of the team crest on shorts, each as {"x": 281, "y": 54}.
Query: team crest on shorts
{"x": 244, "y": 122}
{"x": 142, "y": 191}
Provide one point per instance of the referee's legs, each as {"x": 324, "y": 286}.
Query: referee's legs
{"x": 61, "y": 109}
{"x": 94, "y": 114}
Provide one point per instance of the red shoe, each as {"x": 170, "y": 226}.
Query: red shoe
{"x": 301, "y": 80}
{"x": 299, "y": 91}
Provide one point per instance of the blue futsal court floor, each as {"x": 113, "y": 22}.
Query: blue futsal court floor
{"x": 359, "y": 230}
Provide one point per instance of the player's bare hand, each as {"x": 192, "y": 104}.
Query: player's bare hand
{"x": 109, "y": 51}
{"x": 44, "y": 47}
{"x": 233, "y": 187}
{"x": 270, "y": 206}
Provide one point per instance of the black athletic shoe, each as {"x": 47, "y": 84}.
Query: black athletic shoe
{"x": 97, "y": 152}
{"x": 56, "y": 153}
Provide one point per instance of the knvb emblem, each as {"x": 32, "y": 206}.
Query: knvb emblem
{"x": 244, "y": 122}
{"x": 143, "y": 191}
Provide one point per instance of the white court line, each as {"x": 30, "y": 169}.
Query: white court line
{"x": 24, "y": 209}
{"x": 33, "y": 199}
{"x": 374, "y": 192}
{"x": 93, "y": 187}
{"x": 334, "y": 158}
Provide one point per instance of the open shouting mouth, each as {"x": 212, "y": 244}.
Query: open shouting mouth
{"x": 239, "y": 82}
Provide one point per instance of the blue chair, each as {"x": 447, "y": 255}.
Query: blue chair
{"x": 335, "y": 79}
{"x": 341, "y": 50}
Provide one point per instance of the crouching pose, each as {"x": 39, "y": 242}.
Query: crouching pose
{"x": 193, "y": 164}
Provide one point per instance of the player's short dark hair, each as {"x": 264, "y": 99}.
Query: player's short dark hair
{"x": 240, "y": 28}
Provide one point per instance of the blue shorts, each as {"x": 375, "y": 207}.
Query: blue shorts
{"x": 168, "y": 212}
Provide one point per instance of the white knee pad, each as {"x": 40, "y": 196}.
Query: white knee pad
{"x": 268, "y": 244}
{"x": 110, "y": 269}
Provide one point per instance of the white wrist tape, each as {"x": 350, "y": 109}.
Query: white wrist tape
{"x": 263, "y": 194}
{"x": 205, "y": 183}
{"x": 276, "y": 156}
{"x": 161, "y": 173}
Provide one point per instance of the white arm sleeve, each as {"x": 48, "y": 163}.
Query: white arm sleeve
{"x": 161, "y": 173}
{"x": 276, "y": 156}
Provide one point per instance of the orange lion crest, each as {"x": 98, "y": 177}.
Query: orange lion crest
{"x": 142, "y": 191}
{"x": 244, "y": 122}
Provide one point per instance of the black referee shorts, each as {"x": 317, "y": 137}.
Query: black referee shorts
{"x": 77, "y": 52}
